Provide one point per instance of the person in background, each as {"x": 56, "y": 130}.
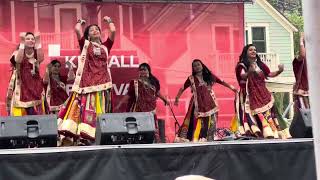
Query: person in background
{"x": 143, "y": 94}
{"x": 301, "y": 87}
{"x": 55, "y": 85}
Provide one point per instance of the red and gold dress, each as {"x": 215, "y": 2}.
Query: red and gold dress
{"x": 256, "y": 110}
{"x": 200, "y": 120}
{"x": 27, "y": 88}
{"x": 56, "y": 95}
{"x": 91, "y": 92}
{"x": 143, "y": 98}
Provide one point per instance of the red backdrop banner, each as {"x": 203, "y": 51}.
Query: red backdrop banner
{"x": 167, "y": 36}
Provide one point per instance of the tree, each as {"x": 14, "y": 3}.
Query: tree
{"x": 292, "y": 10}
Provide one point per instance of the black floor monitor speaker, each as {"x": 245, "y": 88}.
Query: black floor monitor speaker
{"x": 125, "y": 128}
{"x": 301, "y": 126}
{"x": 28, "y": 131}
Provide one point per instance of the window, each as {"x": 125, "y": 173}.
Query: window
{"x": 222, "y": 35}
{"x": 259, "y": 39}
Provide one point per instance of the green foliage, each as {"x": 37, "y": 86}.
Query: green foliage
{"x": 297, "y": 20}
{"x": 281, "y": 101}
{"x": 292, "y": 10}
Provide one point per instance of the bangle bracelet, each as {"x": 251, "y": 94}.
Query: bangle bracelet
{"x": 109, "y": 21}
{"x": 21, "y": 46}
{"x": 81, "y": 21}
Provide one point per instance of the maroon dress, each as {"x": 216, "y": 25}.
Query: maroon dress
{"x": 142, "y": 96}
{"x": 260, "y": 99}
{"x": 93, "y": 73}
{"x": 91, "y": 93}
{"x": 301, "y": 74}
{"x": 28, "y": 88}
{"x": 56, "y": 94}
{"x": 200, "y": 120}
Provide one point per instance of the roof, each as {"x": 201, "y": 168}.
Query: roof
{"x": 279, "y": 17}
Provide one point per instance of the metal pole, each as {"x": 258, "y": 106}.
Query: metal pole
{"x": 312, "y": 38}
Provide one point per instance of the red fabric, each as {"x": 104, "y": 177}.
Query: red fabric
{"x": 95, "y": 67}
{"x": 58, "y": 94}
{"x": 241, "y": 82}
{"x": 204, "y": 98}
{"x": 31, "y": 86}
{"x": 187, "y": 83}
{"x": 259, "y": 95}
{"x": 298, "y": 66}
{"x": 147, "y": 98}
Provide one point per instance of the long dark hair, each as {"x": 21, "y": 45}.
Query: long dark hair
{"x": 86, "y": 31}
{"x": 243, "y": 58}
{"x": 206, "y": 73}
{"x": 153, "y": 80}
{"x": 27, "y": 33}
{"x": 55, "y": 61}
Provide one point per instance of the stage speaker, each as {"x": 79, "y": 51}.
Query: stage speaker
{"x": 162, "y": 130}
{"x": 125, "y": 128}
{"x": 301, "y": 126}
{"x": 28, "y": 131}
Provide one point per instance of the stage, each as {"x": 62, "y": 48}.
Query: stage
{"x": 229, "y": 160}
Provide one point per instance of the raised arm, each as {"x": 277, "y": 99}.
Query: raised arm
{"x": 302, "y": 52}
{"x": 47, "y": 74}
{"x": 20, "y": 52}
{"x": 38, "y": 47}
{"x": 276, "y": 73}
{"x": 112, "y": 27}
{"x": 71, "y": 74}
{"x": 78, "y": 28}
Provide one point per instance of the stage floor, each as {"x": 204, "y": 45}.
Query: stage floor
{"x": 221, "y": 160}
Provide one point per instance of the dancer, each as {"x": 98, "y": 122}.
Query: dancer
{"x": 257, "y": 114}
{"x": 25, "y": 91}
{"x": 91, "y": 91}
{"x": 143, "y": 94}
{"x": 201, "y": 118}
{"x": 301, "y": 88}
{"x": 55, "y": 85}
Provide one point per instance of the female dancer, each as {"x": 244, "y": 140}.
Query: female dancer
{"x": 256, "y": 111}
{"x": 55, "y": 84}
{"x": 91, "y": 91}
{"x": 143, "y": 94}
{"x": 201, "y": 118}
{"x": 25, "y": 91}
